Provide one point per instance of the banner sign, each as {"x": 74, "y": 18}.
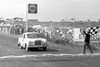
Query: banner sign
{"x": 32, "y": 8}
{"x": 78, "y": 35}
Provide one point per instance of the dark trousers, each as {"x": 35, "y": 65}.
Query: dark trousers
{"x": 87, "y": 45}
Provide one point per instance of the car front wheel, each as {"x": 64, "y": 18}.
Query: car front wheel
{"x": 26, "y": 48}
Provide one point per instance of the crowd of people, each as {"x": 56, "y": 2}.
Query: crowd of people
{"x": 51, "y": 33}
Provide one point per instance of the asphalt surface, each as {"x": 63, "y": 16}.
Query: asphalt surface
{"x": 55, "y": 56}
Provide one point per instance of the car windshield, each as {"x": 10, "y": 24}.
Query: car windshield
{"x": 34, "y": 36}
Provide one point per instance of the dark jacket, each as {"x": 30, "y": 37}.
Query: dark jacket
{"x": 87, "y": 38}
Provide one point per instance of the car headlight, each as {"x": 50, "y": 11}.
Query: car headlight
{"x": 31, "y": 43}
{"x": 42, "y": 42}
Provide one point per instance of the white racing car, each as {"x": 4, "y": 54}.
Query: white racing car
{"x": 32, "y": 40}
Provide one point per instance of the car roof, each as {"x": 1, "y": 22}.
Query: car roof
{"x": 31, "y": 33}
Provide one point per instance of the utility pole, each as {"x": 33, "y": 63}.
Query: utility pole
{"x": 30, "y": 9}
{"x": 26, "y": 17}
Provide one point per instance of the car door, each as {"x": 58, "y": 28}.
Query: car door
{"x": 23, "y": 39}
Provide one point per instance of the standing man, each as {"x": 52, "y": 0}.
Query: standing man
{"x": 87, "y": 42}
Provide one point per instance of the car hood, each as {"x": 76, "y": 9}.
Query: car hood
{"x": 35, "y": 39}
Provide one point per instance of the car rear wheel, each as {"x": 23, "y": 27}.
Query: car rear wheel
{"x": 21, "y": 47}
{"x": 18, "y": 44}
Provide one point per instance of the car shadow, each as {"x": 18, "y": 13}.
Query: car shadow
{"x": 41, "y": 50}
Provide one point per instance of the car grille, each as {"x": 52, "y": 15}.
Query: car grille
{"x": 38, "y": 42}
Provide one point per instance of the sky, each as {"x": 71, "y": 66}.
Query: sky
{"x": 52, "y": 10}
